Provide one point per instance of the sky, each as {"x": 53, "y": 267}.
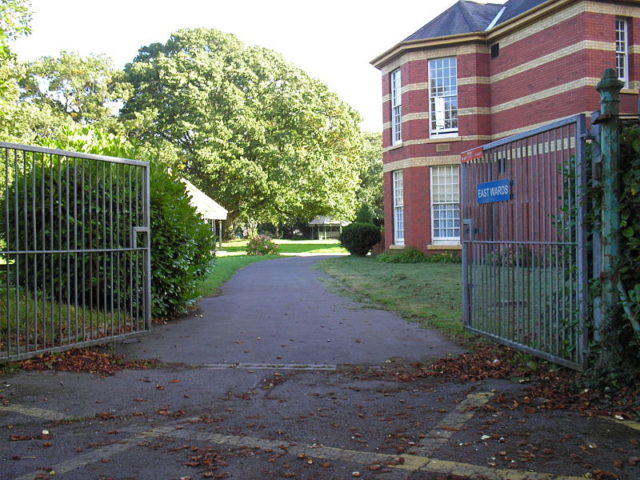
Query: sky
{"x": 332, "y": 40}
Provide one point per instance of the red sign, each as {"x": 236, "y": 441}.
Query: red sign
{"x": 471, "y": 155}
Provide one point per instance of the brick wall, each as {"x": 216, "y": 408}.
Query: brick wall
{"x": 544, "y": 71}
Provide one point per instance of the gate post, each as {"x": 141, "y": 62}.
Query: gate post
{"x": 609, "y": 88}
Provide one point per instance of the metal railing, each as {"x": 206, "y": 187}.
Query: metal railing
{"x": 524, "y": 252}
{"x": 74, "y": 249}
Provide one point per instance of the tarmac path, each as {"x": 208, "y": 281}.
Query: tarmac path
{"x": 279, "y": 378}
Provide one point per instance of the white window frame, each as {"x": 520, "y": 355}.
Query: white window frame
{"x": 396, "y": 107}
{"x": 622, "y": 50}
{"x": 445, "y": 199}
{"x": 398, "y": 207}
{"x": 443, "y": 97}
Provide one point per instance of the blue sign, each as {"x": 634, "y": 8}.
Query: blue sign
{"x": 496, "y": 191}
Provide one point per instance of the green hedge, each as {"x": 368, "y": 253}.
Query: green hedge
{"x": 359, "y": 238}
{"x": 88, "y": 197}
{"x": 66, "y": 205}
{"x": 182, "y": 245}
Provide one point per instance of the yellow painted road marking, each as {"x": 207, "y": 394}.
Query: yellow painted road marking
{"x": 453, "y": 421}
{"x": 85, "y": 459}
{"x": 411, "y": 463}
{"x": 626, "y": 423}
{"x": 33, "y": 412}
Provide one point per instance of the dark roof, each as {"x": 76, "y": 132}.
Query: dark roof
{"x": 469, "y": 17}
{"x": 516, "y": 7}
{"x": 461, "y": 17}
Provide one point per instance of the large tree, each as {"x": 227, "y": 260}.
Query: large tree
{"x": 14, "y": 22}
{"x": 371, "y": 192}
{"x": 261, "y": 136}
{"x": 15, "y": 18}
{"x": 88, "y": 89}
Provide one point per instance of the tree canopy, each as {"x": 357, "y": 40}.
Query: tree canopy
{"x": 371, "y": 193}
{"x": 256, "y": 133}
{"x": 15, "y": 18}
{"x": 88, "y": 89}
{"x": 14, "y": 22}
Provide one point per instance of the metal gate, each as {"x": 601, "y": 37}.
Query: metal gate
{"x": 74, "y": 249}
{"x": 524, "y": 241}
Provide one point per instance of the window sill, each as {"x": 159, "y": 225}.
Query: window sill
{"x": 444, "y": 136}
{"x": 395, "y": 146}
{"x": 442, "y": 246}
{"x": 443, "y": 139}
{"x": 630, "y": 91}
{"x": 396, "y": 247}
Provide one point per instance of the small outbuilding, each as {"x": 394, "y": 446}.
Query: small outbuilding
{"x": 323, "y": 227}
{"x": 211, "y": 211}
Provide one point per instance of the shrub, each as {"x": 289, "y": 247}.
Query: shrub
{"x": 182, "y": 245}
{"x": 359, "y": 238}
{"x": 262, "y": 245}
{"x": 77, "y": 220}
{"x": 413, "y": 255}
{"x": 407, "y": 255}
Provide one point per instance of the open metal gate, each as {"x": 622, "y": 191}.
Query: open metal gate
{"x": 524, "y": 241}
{"x": 74, "y": 249}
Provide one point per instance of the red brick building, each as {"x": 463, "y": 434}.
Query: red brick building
{"x": 480, "y": 72}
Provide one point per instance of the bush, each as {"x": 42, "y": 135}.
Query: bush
{"x": 82, "y": 207}
{"x": 413, "y": 255}
{"x": 85, "y": 204}
{"x": 359, "y": 238}
{"x": 407, "y": 255}
{"x": 182, "y": 245}
{"x": 616, "y": 359}
{"x": 262, "y": 245}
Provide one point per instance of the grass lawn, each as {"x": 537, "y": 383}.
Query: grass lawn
{"x": 290, "y": 247}
{"x": 428, "y": 293}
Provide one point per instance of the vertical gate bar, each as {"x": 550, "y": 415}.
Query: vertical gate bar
{"x": 43, "y": 257}
{"x": 135, "y": 251}
{"x": 147, "y": 252}
{"x": 117, "y": 254}
{"x": 67, "y": 256}
{"x": 85, "y": 333}
{"x": 549, "y": 247}
{"x": 545, "y": 218}
{"x": 537, "y": 317}
{"x": 74, "y": 256}
{"x": 103, "y": 247}
{"x": 110, "y": 228}
{"x": 16, "y": 214}
{"x": 562, "y": 210}
{"x": 24, "y": 248}
{"x": 554, "y": 261}
{"x": 7, "y": 274}
{"x": 572, "y": 226}
{"x": 130, "y": 254}
{"x": 569, "y": 243}
{"x": 52, "y": 293}
{"x": 514, "y": 174}
{"x": 34, "y": 235}
{"x": 90, "y": 246}
{"x": 583, "y": 275}
{"x": 466, "y": 232}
